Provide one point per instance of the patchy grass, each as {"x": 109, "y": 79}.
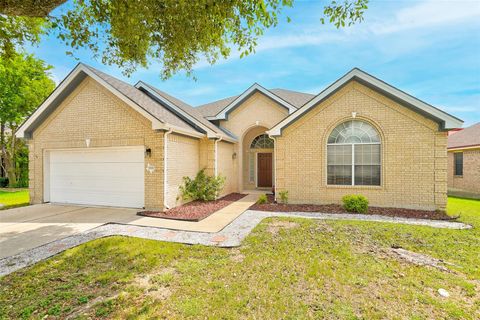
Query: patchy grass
{"x": 287, "y": 268}
{"x": 14, "y": 198}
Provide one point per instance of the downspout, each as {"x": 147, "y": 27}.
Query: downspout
{"x": 216, "y": 155}
{"x": 165, "y": 168}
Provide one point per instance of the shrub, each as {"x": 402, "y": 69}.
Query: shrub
{"x": 283, "y": 196}
{"x": 262, "y": 199}
{"x": 3, "y": 182}
{"x": 202, "y": 187}
{"x": 355, "y": 203}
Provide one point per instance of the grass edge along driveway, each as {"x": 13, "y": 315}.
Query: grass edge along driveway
{"x": 11, "y": 198}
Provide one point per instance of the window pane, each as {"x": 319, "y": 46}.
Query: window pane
{"x": 458, "y": 159}
{"x": 339, "y": 155}
{"x": 354, "y": 131}
{"x": 339, "y": 175}
{"x": 367, "y": 154}
{"x": 251, "y": 164}
{"x": 367, "y": 175}
{"x": 263, "y": 141}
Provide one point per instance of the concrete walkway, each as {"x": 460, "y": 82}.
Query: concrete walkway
{"x": 29, "y": 227}
{"x": 230, "y": 236}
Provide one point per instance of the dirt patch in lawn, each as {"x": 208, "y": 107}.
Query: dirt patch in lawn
{"x": 420, "y": 259}
{"x": 195, "y": 210}
{"x": 335, "y": 208}
{"x": 275, "y": 226}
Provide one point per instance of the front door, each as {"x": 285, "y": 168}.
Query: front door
{"x": 264, "y": 170}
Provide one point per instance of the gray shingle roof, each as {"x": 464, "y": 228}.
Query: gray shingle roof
{"x": 297, "y": 99}
{"x": 190, "y": 110}
{"x": 142, "y": 100}
{"x": 467, "y": 137}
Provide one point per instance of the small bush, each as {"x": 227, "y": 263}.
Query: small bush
{"x": 262, "y": 199}
{"x": 3, "y": 182}
{"x": 355, "y": 203}
{"x": 203, "y": 187}
{"x": 283, "y": 196}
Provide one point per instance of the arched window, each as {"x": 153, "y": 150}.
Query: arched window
{"x": 262, "y": 142}
{"x": 353, "y": 154}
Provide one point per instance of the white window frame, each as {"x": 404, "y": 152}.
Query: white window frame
{"x": 353, "y": 163}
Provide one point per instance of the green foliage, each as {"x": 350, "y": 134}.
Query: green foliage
{"x": 17, "y": 31}
{"x": 203, "y": 187}
{"x": 355, "y": 203}
{"x": 176, "y": 33}
{"x": 262, "y": 199}
{"x": 25, "y": 83}
{"x": 346, "y": 13}
{"x": 3, "y": 182}
{"x": 283, "y": 196}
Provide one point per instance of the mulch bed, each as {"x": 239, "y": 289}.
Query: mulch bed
{"x": 195, "y": 210}
{"x": 335, "y": 208}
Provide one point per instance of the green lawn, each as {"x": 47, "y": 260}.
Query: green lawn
{"x": 287, "y": 268}
{"x": 13, "y": 198}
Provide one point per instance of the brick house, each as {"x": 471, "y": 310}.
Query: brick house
{"x": 464, "y": 161}
{"x": 100, "y": 141}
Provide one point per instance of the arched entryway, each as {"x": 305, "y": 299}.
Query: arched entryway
{"x": 258, "y": 164}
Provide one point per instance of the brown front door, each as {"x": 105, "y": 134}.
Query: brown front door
{"x": 264, "y": 170}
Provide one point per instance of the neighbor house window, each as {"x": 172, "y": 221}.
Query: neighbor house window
{"x": 458, "y": 156}
{"x": 353, "y": 155}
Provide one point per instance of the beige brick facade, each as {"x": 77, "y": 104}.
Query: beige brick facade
{"x": 227, "y": 166}
{"x": 254, "y": 116}
{"x": 183, "y": 159}
{"x": 470, "y": 180}
{"x": 413, "y": 150}
{"x": 92, "y": 112}
{"x": 414, "y": 159}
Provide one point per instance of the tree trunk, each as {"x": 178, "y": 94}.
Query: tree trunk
{"x": 3, "y": 150}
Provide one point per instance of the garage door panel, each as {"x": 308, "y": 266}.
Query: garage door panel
{"x": 110, "y": 177}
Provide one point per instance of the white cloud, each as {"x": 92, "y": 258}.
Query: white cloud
{"x": 429, "y": 13}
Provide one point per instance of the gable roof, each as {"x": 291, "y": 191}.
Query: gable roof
{"x": 468, "y": 137}
{"x": 183, "y": 111}
{"x": 232, "y": 104}
{"x": 445, "y": 120}
{"x": 160, "y": 117}
{"x": 295, "y": 98}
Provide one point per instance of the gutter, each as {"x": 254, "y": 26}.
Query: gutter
{"x": 165, "y": 168}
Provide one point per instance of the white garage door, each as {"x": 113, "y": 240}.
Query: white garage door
{"x": 97, "y": 176}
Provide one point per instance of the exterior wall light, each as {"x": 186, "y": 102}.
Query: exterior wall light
{"x": 234, "y": 155}
{"x": 148, "y": 152}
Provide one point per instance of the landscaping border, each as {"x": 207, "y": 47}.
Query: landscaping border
{"x": 231, "y": 236}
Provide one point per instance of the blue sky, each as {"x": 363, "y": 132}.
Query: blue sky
{"x": 430, "y": 49}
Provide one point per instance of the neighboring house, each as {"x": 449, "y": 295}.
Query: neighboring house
{"x": 100, "y": 141}
{"x": 464, "y": 161}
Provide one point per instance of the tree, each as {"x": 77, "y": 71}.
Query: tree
{"x": 178, "y": 33}
{"x": 25, "y": 83}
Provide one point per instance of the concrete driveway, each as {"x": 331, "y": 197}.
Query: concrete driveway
{"x": 29, "y": 227}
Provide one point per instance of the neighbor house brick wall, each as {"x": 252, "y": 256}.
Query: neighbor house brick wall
{"x": 414, "y": 158}
{"x": 470, "y": 181}
{"x": 92, "y": 112}
{"x": 257, "y": 111}
{"x": 227, "y": 166}
{"x": 183, "y": 159}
